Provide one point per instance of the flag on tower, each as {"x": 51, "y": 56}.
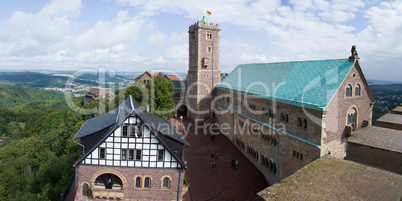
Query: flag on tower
{"x": 209, "y": 13}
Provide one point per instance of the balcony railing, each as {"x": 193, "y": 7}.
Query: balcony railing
{"x": 108, "y": 193}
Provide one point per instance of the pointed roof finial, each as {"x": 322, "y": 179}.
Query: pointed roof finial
{"x": 204, "y": 20}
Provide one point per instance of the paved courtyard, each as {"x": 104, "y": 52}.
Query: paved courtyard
{"x": 226, "y": 183}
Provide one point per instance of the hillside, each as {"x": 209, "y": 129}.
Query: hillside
{"x": 33, "y": 79}
{"x": 387, "y": 97}
{"x": 12, "y": 96}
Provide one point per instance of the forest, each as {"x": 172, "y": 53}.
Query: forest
{"x": 12, "y": 96}
{"x": 37, "y": 153}
{"x": 36, "y": 80}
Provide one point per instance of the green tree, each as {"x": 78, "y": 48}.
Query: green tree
{"x": 136, "y": 90}
{"x": 161, "y": 96}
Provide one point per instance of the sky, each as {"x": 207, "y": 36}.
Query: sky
{"x": 140, "y": 35}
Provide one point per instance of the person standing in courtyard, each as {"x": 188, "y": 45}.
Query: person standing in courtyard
{"x": 181, "y": 117}
{"x": 213, "y": 166}
{"x": 212, "y": 153}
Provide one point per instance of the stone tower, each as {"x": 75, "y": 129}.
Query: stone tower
{"x": 203, "y": 71}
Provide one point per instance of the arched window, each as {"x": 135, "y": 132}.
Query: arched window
{"x": 166, "y": 183}
{"x": 349, "y": 90}
{"x": 287, "y": 118}
{"x": 357, "y": 90}
{"x": 305, "y": 123}
{"x": 138, "y": 182}
{"x": 352, "y": 117}
{"x": 109, "y": 181}
{"x": 85, "y": 189}
{"x": 282, "y": 117}
{"x": 300, "y": 122}
{"x": 147, "y": 182}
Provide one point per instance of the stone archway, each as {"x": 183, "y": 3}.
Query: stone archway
{"x": 182, "y": 111}
{"x": 109, "y": 171}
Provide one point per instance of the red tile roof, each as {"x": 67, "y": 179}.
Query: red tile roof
{"x": 174, "y": 78}
{"x": 152, "y": 73}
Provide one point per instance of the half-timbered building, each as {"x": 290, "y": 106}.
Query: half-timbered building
{"x": 129, "y": 153}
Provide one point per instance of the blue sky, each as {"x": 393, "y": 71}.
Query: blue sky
{"x": 139, "y": 35}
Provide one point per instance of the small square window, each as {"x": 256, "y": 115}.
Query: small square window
{"x": 123, "y": 154}
{"x": 132, "y": 131}
{"x": 131, "y": 155}
{"x": 160, "y": 155}
{"x": 125, "y": 131}
{"x": 102, "y": 153}
{"x": 139, "y": 131}
{"x": 138, "y": 155}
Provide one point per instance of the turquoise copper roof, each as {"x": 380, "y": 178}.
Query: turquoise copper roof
{"x": 310, "y": 84}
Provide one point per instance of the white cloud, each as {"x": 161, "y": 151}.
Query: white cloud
{"x": 159, "y": 39}
{"x": 120, "y": 31}
{"x": 137, "y": 33}
{"x": 36, "y": 33}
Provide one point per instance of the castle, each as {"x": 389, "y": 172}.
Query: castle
{"x": 282, "y": 116}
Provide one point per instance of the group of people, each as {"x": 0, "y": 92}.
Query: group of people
{"x": 214, "y": 155}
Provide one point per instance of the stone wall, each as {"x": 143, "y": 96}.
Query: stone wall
{"x": 380, "y": 158}
{"x": 87, "y": 174}
{"x": 335, "y": 132}
{"x": 251, "y": 129}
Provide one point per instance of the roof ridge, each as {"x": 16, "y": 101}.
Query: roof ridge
{"x": 280, "y": 62}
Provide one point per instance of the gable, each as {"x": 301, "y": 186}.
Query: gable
{"x": 364, "y": 81}
{"x": 138, "y": 149}
{"x": 96, "y": 130}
